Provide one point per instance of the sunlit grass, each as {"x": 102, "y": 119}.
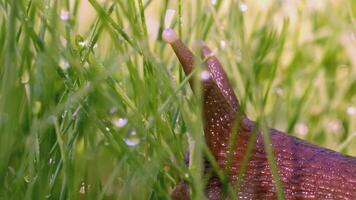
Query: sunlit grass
{"x": 93, "y": 105}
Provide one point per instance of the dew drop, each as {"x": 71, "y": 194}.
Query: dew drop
{"x": 205, "y": 75}
{"x": 351, "y": 110}
{"x": 222, "y": 44}
{"x": 335, "y": 126}
{"x": 82, "y": 188}
{"x": 120, "y": 122}
{"x": 301, "y": 128}
{"x": 243, "y": 7}
{"x": 186, "y": 175}
{"x": 64, "y": 15}
{"x": 132, "y": 139}
{"x": 63, "y": 64}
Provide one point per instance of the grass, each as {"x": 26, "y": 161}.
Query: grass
{"x": 93, "y": 105}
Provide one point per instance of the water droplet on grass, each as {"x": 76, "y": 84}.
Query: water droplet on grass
{"x": 243, "y": 7}
{"x": 351, "y": 110}
{"x": 64, "y": 15}
{"x": 335, "y": 126}
{"x": 132, "y": 139}
{"x": 82, "y": 188}
{"x": 120, "y": 122}
{"x": 301, "y": 129}
{"x": 222, "y": 44}
{"x": 63, "y": 64}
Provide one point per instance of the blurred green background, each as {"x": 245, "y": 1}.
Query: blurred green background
{"x": 93, "y": 105}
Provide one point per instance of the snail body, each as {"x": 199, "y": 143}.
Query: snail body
{"x": 306, "y": 171}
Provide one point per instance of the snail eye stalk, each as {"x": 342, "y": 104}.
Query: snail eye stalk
{"x": 220, "y": 105}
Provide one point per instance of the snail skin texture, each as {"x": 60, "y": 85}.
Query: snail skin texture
{"x": 306, "y": 171}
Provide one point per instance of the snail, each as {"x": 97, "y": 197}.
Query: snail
{"x": 306, "y": 171}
